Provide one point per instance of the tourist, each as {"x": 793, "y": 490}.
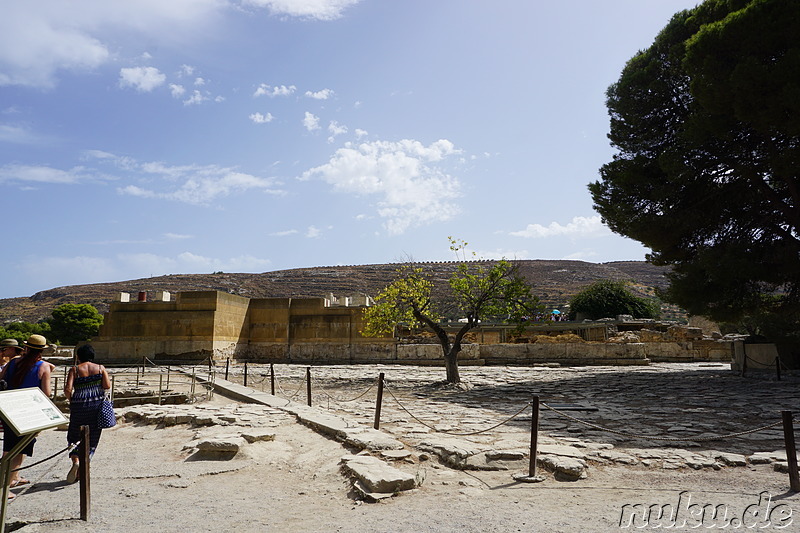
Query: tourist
{"x": 9, "y": 349}
{"x": 25, "y": 371}
{"x": 87, "y": 383}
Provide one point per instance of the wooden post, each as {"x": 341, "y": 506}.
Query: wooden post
{"x": 137, "y": 377}
{"x": 308, "y": 385}
{"x": 83, "y": 470}
{"x": 193, "y": 382}
{"x": 778, "y": 367}
{"x": 379, "y": 402}
{"x": 160, "y": 388}
{"x": 791, "y": 450}
{"x": 227, "y": 364}
{"x": 245, "y": 373}
{"x": 112, "y": 386}
{"x": 272, "y": 377}
{"x": 534, "y": 437}
{"x": 168, "y": 377}
{"x": 55, "y": 388}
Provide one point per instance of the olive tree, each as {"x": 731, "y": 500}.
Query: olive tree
{"x": 476, "y": 291}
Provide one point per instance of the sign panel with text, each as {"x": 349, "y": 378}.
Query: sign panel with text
{"x": 29, "y": 411}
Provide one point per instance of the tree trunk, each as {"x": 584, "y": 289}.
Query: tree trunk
{"x": 451, "y": 366}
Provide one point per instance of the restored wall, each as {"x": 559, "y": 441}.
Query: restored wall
{"x": 205, "y": 324}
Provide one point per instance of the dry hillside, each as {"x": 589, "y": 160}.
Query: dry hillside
{"x": 553, "y": 281}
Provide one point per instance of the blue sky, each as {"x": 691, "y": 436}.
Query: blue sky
{"x": 146, "y": 138}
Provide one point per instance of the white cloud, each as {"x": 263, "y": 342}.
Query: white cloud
{"x": 578, "y": 227}
{"x": 203, "y": 185}
{"x": 199, "y": 82}
{"x": 41, "y": 174}
{"x": 17, "y": 134}
{"x": 360, "y": 133}
{"x": 406, "y": 177}
{"x": 176, "y": 90}
{"x": 285, "y": 233}
{"x": 313, "y": 232}
{"x": 324, "y": 94}
{"x": 38, "y": 39}
{"x": 143, "y": 79}
{"x": 196, "y": 98}
{"x": 312, "y": 9}
{"x": 311, "y": 122}
{"x": 335, "y": 129}
{"x": 258, "y": 118}
{"x": 192, "y": 184}
{"x": 272, "y": 92}
{"x": 177, "y": 236}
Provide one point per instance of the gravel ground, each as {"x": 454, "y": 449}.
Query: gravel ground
{"x": 143, "y": 479}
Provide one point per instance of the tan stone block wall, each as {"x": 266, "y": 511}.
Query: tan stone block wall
{"x": 564, "y": 353}
{"x": 269, "y": 320}
{"x": 230, "y": 318}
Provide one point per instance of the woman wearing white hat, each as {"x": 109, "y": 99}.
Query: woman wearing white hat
{"x": 27, "y": 370}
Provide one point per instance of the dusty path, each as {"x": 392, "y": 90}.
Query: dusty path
{"x": 144, "y": 480}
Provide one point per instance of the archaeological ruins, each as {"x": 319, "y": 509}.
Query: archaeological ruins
{"x": 193, "y": 326}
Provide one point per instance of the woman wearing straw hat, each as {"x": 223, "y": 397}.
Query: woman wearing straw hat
{"x": 9, "y": 349}
{"x": 27, "y": 370}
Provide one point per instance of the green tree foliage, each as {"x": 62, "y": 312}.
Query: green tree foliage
{"x": 73, "y": 323}
{"x": 707, "y": 175}
{"x": 22, "y": 330}
{"x": 477, "y": 292}
{"x": 608, "y": 298}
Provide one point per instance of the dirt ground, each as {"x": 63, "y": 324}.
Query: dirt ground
{"x": 143, "y": 480}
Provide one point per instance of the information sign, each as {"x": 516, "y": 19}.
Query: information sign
{"x": 29, "y": 411}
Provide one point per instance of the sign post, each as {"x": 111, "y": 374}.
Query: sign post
{"x": 27, "y": 412}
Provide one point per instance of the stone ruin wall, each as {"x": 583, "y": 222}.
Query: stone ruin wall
{"x": 203, "y": 324}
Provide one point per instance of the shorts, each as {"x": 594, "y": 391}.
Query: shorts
{"x": 10, "y": 439}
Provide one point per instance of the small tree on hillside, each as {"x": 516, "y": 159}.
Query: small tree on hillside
{"x": 477, "y": 292}
{"x": 609, "y": 298}
{"x": 73, "y": 323}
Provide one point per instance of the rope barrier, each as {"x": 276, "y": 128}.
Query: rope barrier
{"x": 277, "y": 384}
{"x": 506, "y": 421}
{"x": 45, "y": 459}
{"x": 38, "y": 479}
{"x": 339, "y": 400}
{"x": 650, "y": 437}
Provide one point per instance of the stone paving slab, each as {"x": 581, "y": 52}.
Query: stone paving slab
{"x": 688, "y": 401}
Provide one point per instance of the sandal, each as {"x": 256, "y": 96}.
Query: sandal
{"x": 72, "y": 475}
{"x": 20, "y": 481}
